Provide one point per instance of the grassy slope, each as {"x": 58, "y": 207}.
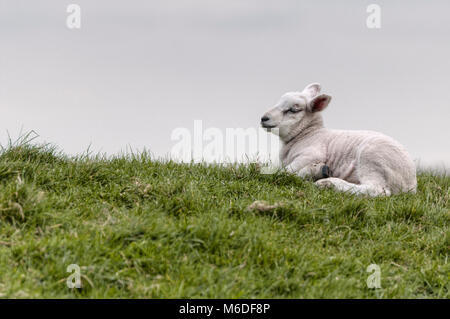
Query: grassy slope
{"x": 140, "y": 228}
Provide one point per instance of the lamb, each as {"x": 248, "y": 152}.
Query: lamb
{"x": 358, "y": 162}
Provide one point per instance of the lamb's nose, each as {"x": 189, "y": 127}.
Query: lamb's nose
{"x": 264, "y": 118}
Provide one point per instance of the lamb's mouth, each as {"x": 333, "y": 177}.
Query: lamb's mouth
{"x": 268, "y": 126}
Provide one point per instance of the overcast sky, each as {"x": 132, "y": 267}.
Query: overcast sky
{"x": 136, "y": 70}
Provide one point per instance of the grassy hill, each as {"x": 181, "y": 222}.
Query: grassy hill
{"x": 145, "y": 229}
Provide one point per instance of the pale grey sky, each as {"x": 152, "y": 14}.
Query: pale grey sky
{"x": 136, "y": 70}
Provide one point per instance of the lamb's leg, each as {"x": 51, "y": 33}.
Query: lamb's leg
{"x": 314, "y": 171}
{"x": 344, "y": 186}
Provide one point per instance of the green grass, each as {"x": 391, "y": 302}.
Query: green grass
{"x": 146, "y": 229}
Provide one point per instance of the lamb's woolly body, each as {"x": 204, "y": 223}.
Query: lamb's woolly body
{"x": 358, "y": 157}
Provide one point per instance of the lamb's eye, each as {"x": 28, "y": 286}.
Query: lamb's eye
{"x": 295, "y": 109}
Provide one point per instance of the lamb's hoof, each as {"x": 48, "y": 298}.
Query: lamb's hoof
{"x": 324, "y": 183}
{"x": 325, "y": 171}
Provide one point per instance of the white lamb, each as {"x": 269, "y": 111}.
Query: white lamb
{"x": 359, "y": 162}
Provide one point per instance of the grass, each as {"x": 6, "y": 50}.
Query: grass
{"x": 146, "y": 229}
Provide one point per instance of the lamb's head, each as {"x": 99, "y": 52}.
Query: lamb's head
{"x": 295, "y": 111}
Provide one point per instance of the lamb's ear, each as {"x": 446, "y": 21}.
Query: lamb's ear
{"x": 312, "y": 90}
{"x": 319, "y": 103}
